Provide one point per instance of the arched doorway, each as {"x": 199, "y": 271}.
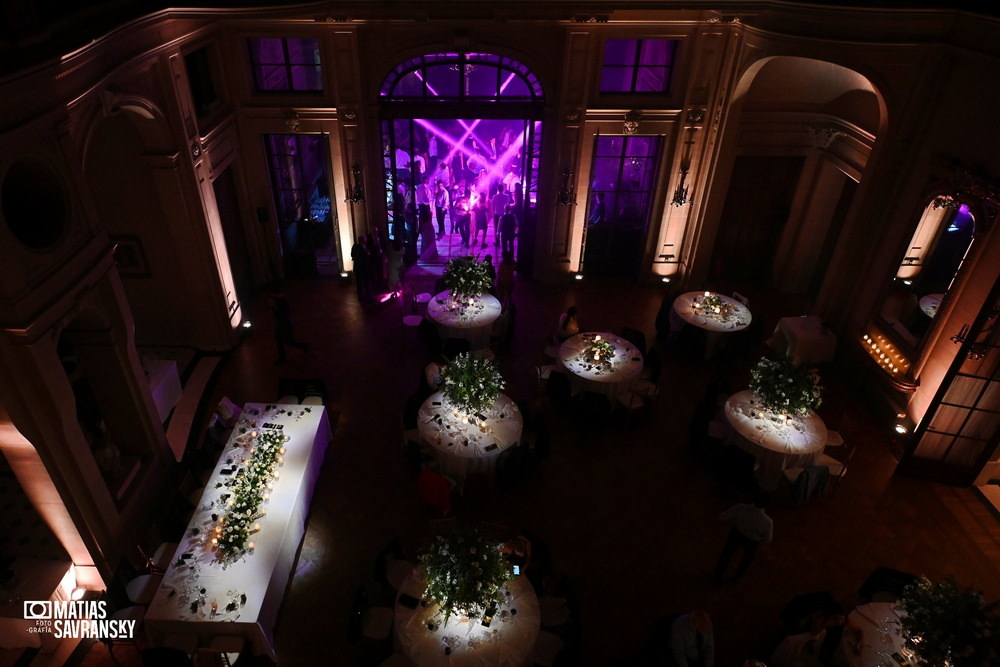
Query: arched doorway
{"x": 461, "y": 140}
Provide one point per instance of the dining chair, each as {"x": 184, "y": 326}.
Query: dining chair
{"x": 547, "y": 648}
{"x": 222, "y": 650}
{"x": 742, "y": 299}
{"x": 185, "y": 642}
{"x": 141, "y": 589}
{"x": 134, "y": 613}
{"x": 834, "y": 439}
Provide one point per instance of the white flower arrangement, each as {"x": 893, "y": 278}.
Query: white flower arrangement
{"x": 466, "y": 277}
{"x": 466, "y": 573}
{"x": 471, "y": 384}
{"x": 785, "y": 388}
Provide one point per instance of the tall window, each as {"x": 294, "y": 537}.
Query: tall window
{"x": 286, "y": 64}
{"x": 638, "y": 65}
{"x": 622, "y": 182}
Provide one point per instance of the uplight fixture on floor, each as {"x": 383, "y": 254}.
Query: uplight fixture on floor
{"x": 665, "y": 279}
{"x": 577, "y": 276}
{"x": 247, "y": 324}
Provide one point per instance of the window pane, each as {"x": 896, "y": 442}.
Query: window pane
{"x": 605, "y": 173}
{"x": 657, "y": 52}
{"x": 515, "y": 87}
{"x": 620, "y": 51}
{"x": 609, "y": 145}
{"x": 303, "y": 51}
{"x": 481, "y": 80}
{"x": 651, "y": 80}
{"x": 272, "y": 77}
{"x": 965, "y": 452}
{"x": 306, "y": 77}
{"x": 267, "y": 50}
{"x": 442, "y": 80}
{"x": 642, "y": 146}
{"x": 616, "y": 80}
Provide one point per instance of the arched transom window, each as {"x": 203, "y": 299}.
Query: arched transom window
{"x": 457, "y": 77}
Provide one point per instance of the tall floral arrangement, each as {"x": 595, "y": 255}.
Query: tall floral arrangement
{"x": 945, "y": 623}
{"x": 471, "y": 384}
{"x": 784, "y": 387}
{"x": 466, "y": 573}
{"x": 466, "y": 277}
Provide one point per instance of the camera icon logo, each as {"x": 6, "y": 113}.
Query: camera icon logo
{"x": 37, "y": 610}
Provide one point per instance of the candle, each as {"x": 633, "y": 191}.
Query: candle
{"x": 250, "y": 545}
{"x": 215, "y": 540}
{"x": 597, "y": 337}
{"x": 708, "y": 294}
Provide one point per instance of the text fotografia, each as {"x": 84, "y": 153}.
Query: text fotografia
{"x": 79, "y": 619}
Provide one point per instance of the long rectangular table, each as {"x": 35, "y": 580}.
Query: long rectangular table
{"x": 254, "y": 584}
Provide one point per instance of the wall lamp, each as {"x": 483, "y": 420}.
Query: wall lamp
{"x": 356, "y": 192}
{"x": 680, "y": 197}
{"x": 567, "y": 193}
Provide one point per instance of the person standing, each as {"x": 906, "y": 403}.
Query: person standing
{"x": 508, "y": 229}
{"x": 498, "y": 205}
{"x": 692, "y": 643}
{"x": 441, "y": 206}
{"x": 750, "y": 526}
{"x": 361, "y": 260}
{"x": 505, "y": 279}
{"x": 284, "y": 333}
{"x": 481, "y": 215}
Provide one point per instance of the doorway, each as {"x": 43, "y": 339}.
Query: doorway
{"x": 461, "y": 140}
{"x": 619, "y": 203}
{"x": 298, "y": 165}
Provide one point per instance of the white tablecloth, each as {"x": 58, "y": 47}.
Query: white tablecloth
{"x": 508, "y": 642}
{"x": 471, "y": 321}
{"x": 607, "y": 377}
{"x": 880, "y": 624}
{"x": 685, "y": 306}
{"x": 804, "y": 340}
{"x": 462, "y": 448}
{"x": 263, "y": 574}
{"x": 775, "y": 446}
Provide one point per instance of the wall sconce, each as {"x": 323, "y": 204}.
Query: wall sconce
{"x": 681, "y": 197}
{"x": 978, "y": 349}
{"x": 567, "y": 193}
{"x": 356, "y": 192}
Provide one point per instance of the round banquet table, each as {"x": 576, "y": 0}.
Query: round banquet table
{"x": 775, "y": 446}
{"x": 508, "y": 642}
{"x": 471, "y": 321}
{"x": 461, "y": 447}
{"x": 929, "y": 304}
{"x": 607, "y": 377}
{"x": 688, "y": 307}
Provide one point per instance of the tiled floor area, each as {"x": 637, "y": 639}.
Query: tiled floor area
{"x": 629, "y": 513}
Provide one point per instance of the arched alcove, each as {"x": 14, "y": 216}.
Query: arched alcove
{"x": 801, "y": 133}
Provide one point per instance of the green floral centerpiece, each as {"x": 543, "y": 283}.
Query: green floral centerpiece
{"x": 600, "y": 350}
{"x": 248, "y": 489}
{"x": 466, "y": 573}
{"x": 946, "y": 624}
{"x": 471, "y": 384}
{"x": 466, "y": 277}
{"x": 712, "y": 301}
{"x": 785, "y": 388}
